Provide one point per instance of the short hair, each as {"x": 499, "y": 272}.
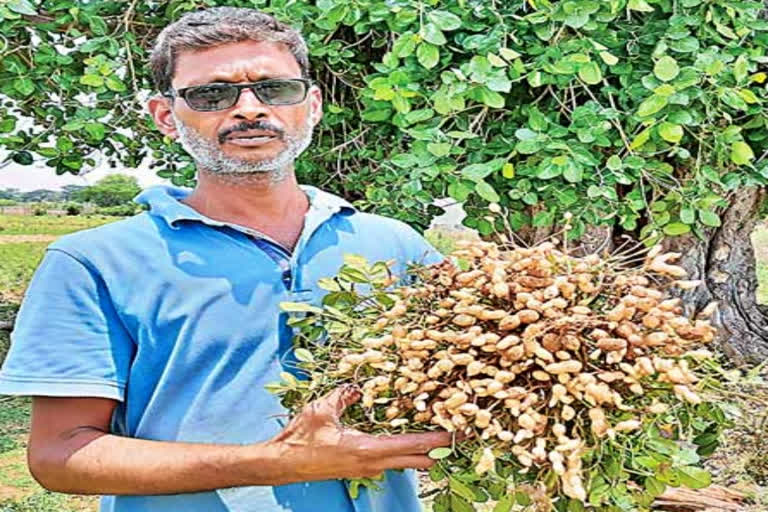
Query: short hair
{"x": 212, "y": 27}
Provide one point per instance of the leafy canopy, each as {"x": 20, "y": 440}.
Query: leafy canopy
{"x": 643, "y": 114}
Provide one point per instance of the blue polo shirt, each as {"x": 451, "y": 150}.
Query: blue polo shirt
{"x": 176, "y": 316}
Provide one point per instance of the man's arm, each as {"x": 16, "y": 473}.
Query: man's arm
{"x": 71, "y": 451}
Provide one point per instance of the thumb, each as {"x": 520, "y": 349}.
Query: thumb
{"x": 334, "y": 403}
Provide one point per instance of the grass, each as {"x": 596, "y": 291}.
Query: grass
{"x": 19, "y": 492}
{"x": 18, "y": 262}
{"x": 49, "y": 224}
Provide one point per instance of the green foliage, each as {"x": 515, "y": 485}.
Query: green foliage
{"x": 624, "y": 112}
{"x": 110, "y": 191}
{"x": 123, "y": 210}
{"x": 73, "y": 209}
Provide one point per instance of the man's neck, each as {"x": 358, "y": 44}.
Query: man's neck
{"x": 276, "y": 209}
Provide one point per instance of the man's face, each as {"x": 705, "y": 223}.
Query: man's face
{"x": 250, "y": 136}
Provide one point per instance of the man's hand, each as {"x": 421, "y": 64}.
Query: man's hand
{"x": 316, "y": 446}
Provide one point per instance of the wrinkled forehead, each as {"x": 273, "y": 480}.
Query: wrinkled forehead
{"x": 246, "y": 61}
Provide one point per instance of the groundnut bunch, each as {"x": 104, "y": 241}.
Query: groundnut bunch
{"x": 531, "y": 353}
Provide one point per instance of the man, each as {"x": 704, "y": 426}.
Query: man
{"x": 147, "y": 343}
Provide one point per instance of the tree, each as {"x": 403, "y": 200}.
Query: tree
{"x": 13, "y": 194}
{"x": 112, "y": 190}
{"x": 41, "y": 194}
{"x": 70, "y": 192}
{"x": 643, "y": 118}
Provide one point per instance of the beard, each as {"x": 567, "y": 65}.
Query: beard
{"x": 210, "y": 157}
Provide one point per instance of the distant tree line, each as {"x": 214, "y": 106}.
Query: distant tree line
{"x": 112, "y": 195}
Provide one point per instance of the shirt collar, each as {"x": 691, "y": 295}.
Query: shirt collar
{"x": 164, "y": 201}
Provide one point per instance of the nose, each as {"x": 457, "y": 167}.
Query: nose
{"x": 249, "y": 106}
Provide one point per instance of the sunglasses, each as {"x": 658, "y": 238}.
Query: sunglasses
{"x": 213, "y": 97}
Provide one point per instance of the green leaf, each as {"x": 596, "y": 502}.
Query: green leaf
{"x": 666, "y": 69}
{"x": 654, "y": 487}
{"x": 444, "y": 20}
{"x": 573, "y": 173}
{"x": 651, "y": 105}
{"x": 639, "y": 5}
{"x": 741, "y": 153}
{"x": 505, "y": 503}
{"x": 439, "y": 149}
{"x": 676, "y": 228}
{"x": 92, "y": 80}
{"x": 24, "y": 86}
{"x": 433, "y": 35}
{"x": 8, "y": 124}
{"x": 709, "y": 218}
{"x": 590, "y": 73}
{"x": 748, "y": 96}
{"x": 73, "y": 126}
{"x": 693, "y": 477}
{"x": 21, "y": 7}
{"x": 405, "y": 45}
{"x": 487, "y": 192}
{"x": 461, "y": 489}
{"x": 641, "y": 139}
{"x": 300, "y": 307}
{"x": 304, "y": 355}
{"x": 740, "y": 68}
{"x": 418, "y": 116}
{"x": 459, "y": 504}
{"x": 428, "y": 55}
{"x": 491, "y": 98}
{"x": 688, "y": 215}
{"x": 509, "y": 54}
{"x": 495, "y": 60}
{"x": 114, "y": 84}
{"x": 508, "y": 170}
{"x": 96, "y": 130}
{"x": 23, "y": 158}
{"x": 98, "y": 26}
{"x": 476, "y": 172}
{"x": 439, "y": 453}
{"x": 609, "y": 58}
{"x": 614, "y": 163}
{"x": 733, "y": 99}
{"x": 671, "y": 132}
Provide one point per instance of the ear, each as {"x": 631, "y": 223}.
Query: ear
{"x": 160, "y": 108}
{"x": 315, "y": 105}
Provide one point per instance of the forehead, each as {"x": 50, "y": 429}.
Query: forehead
{"x": 245, "y": 61}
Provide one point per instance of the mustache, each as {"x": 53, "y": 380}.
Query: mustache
{"x": 250, "y": 125}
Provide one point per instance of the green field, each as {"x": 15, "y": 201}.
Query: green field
{"x": 18, "y": 259}
{"x": 17, "y": 264}
{"x": 49, "y": 224}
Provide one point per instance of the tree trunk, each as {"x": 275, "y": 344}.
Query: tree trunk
{"x": 725, "y": 261}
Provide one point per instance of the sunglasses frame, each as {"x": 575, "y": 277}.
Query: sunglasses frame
{"x": 255, "y": 87}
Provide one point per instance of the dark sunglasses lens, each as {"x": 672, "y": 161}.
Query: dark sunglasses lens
{"x": 211, "y": 97}
{"x": 282, "y": 92}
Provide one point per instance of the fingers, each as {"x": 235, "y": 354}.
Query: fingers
{"x": 410, "y": 462}
{"x": 334, "y": 403}
{"x": 412, "y": 444}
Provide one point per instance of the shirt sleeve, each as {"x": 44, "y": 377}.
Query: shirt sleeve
{"x": 68, "y": 339}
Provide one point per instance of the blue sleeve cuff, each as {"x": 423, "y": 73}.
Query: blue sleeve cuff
{"x": 23, "y": 386}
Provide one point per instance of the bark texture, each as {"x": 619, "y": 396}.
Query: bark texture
{"x": 725, "y": 261}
